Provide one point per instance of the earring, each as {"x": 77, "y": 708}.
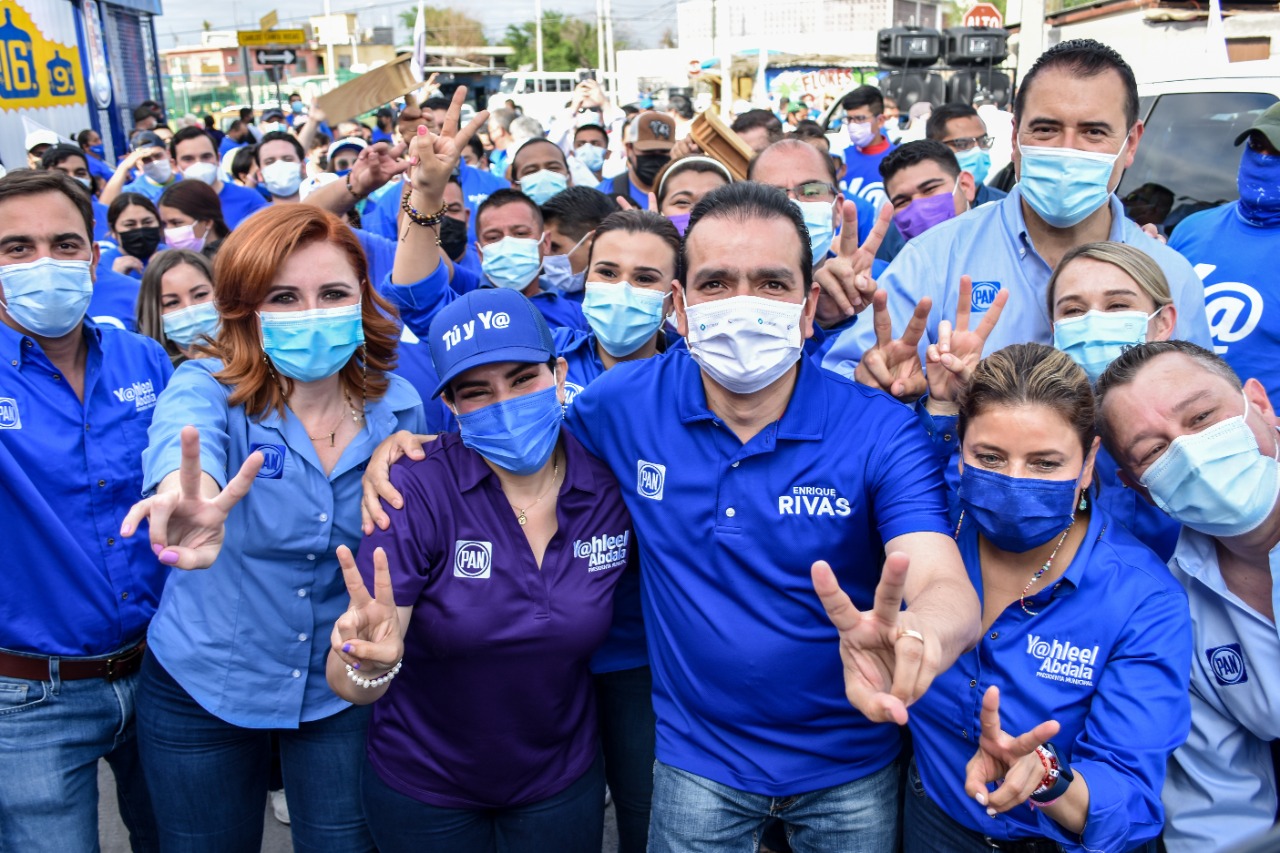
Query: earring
{"x": 1084, "y": 502}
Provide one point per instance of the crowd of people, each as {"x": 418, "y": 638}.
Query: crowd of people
{"x": 469, "y": 475}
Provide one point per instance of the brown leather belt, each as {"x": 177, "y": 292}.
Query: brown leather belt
{"x": 36, "y": 667}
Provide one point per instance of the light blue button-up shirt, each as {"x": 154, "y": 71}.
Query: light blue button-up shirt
{"x": 990, "y": 244}
{"x": 248, "y": 637}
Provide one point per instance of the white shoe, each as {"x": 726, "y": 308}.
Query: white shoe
{"x": 279, "y": 806}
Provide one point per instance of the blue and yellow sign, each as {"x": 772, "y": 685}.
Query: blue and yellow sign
{"x": 34, "y": 71}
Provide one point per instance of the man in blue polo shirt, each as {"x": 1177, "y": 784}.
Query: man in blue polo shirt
{"x": 197, "y": 159}
{"x": 75, "y": 403}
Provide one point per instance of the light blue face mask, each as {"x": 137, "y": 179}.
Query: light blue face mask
{"x": 621, "y": 316}
{"x": 187, "y": 325}
{"x": 976, "y": 162}
{"x": 1065, "y": 185}
{"x": 311, "y": 345}
{"x": 558, "y": 275}
{"x": 1217, "y": 481}
{"x": 512, "y": 262}
{"x": 817, "y": 218}
{"x": 47, "y": 297}
{"x": 543, "y": 185}
{"x": 1097, "y": 338}
{"x": 518, "y": 435}
{"x": 591, "y": 156}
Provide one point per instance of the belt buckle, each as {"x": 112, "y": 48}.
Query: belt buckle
{"x": 116, "y": 666}
{"x": 992, "y": 843}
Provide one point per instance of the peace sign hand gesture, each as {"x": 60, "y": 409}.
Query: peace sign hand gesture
{"x": 188, "y": 522}
{"x": 433, "y": 157}
{"x": 368, "y": 636}
{"x": 1003, "y": 758}
{"x": 845, "y": 285}
{"x": 894, "y": 365}
{"x": 952, "y": 359}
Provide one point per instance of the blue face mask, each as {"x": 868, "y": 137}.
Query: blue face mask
{"x": 99, "y": 151}
{"x": 591, "y": 156}
{"x": 976, "y": 162}
{"x": 543, "y": 185}
{"x": 184, "y": 327}
{"x": 518, "y": 435}
{"x": 1257, "y": 180}
{"x": 512, "y": 262}
{"x": 1064, "y": 185}
{"x": 1016, "y": 514}
{"x": 817, "y": 218}
{"x": 48, "y": 298}
{"x": 1096, "y": 339}
{"x": 558, "y": 274}
{"x": 311, "y": 345}
{"x": 621, "y": 316}
{"x": 296, "y": 107}
{"x": 342, "y": 173}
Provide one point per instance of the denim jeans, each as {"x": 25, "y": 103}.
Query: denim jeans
{"x": 696, "y": 815}
{"x": 208, "y": 778}
{"x": 52, "y": 734}
{"x": 571, "y": 821}
{"x": 624, "y": 701}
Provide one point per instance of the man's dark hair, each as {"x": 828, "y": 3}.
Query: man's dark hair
{"x": 536, "y": 141}
{"x": 83, "y": 137}
{"x": 681, "y": 106}
{"x": 476, "y": 146}
{"x": 279, "y": 135}
{"x": 243, "y": 161}
{"x": 789, "y": 144}
{"x": 1084, "y": 58}
{"x": 502, "y": 198}
{"x": 864, "y": 96}
{"x": 246, "y": 115}
{"x": 190, "y": 133}
{"x": 235, "y": 125}
{"x": 808, "y": 129}
{"x": 209, "y": 123}
{"x": 28, "y": 182}
{"x": 936, "y": 127}
{"x": 55, "y": 154}
{"x": 578, "y": 210}
{"x": 142, "y": 112}
{"x": 436, "y": 103}
{"x": 917, "y": 152}
{"x": 747, "y": 200}
{"x": 753, "y": 119}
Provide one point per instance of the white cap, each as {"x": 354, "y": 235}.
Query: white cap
{"x": 41, "y": 137}
{"x": 346, "y": 142}
{"x": 310, "y": 185}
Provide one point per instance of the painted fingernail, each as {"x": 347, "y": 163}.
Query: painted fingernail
{"x": 991, "y": 812}
{"x": 156, "y": 548}
{"x": 168, "y": 557}
{"x": 355, "y": 665}
{"x": 346, "y": 647}
{"x": 981, "y": 798}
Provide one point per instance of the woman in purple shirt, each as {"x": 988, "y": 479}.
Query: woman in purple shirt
{"x": 494, "y": 587}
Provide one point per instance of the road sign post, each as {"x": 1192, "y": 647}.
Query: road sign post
{"x": 274, "y": 56}
{"x": 983, "y": 15}
{"x": 264, "y": 38}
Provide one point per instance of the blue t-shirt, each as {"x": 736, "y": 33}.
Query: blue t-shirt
{"x": 862, "y": 174}
{"x": 238, "y": 202}
{"x": 101, "y": 227}
{"x": 145, "y": 186}
{"x": 228, "y": 144}
{"x": 114, "y": 300}
{"x": 747, "y": 682}
{"x": 1238, "y": 262}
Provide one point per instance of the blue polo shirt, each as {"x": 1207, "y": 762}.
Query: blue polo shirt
{"x": 98, "y": 168}
{"x": 115, "y": 299}
{"x": 144, "y": 185}
{"x": 748, "y": 686}
{"x": 380, "y": 252}
{"x": 238, "y": 202}
{"x": 862, "y": 178}
{"x": 639, "y": 197}
{"x": 228, "y": 144}
{"x": 381, "y": 209}
{"x": 101, "y": 227}
{"x": 495, "y": 706}
{"x": 991, "y": 245}
{"x": 248, "y": 638}
{"x": 69, "y": 472}
{"x": 1107, "y": 655}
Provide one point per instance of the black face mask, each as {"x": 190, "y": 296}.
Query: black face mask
{"x": 647, "y": 166}
{"x": 141, "y": 243}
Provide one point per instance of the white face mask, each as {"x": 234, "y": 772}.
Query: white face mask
{"x": 205, "y": 173}
{"x": 159, "y": 171}
{"x": 282, "y": 178}
{"x": 745, "y": 343}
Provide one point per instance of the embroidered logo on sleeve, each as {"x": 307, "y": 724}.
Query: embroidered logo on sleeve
{"x": 1227, "y": 663}
{"x": 9, "y": 416}
{"x": 472, "y": 559}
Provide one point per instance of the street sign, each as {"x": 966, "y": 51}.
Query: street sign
{"x": 267, "y": 56}
{"x": 263, "y": 38}
{"x": 269, "y": 20}
{"x": 983, "y": 15}
{"x": 695, "y": 68}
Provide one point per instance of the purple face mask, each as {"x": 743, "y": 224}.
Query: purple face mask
{"x": 680, "y": 221}
{"x": 924, "y": 213}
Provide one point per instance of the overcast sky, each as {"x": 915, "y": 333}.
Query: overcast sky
{"x": 643, "y": 21}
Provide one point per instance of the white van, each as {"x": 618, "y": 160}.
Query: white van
{"x": 540, "y": 94}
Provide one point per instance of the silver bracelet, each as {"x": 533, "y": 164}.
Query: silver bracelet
{"x": 367, "y": 683}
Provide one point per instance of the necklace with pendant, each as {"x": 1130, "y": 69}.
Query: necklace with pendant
{"x": 332, "y": 434}
{"x": 521, "y": 516}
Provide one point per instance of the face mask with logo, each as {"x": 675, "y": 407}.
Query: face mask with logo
{"x": 187, "y": 325}
{"x": 518, "y": 435}
{"x": 1217, "y": 481}
{"x": 976, "y": 162}
{"x": 47, "y": 297}
{"x": 543, "y": 185}
{"x": 649, "y": 164}
{"x": 159, "y": 171}
{"x": 680, "y": 221}
{"x": 184, "y": 237}
{"x": 817, "y": 218}
{"x": 1065, "y": 185}
{"x": 205, "y": 173}
{"x": 860, "y": 133}
{"x": 1257, "y": 181}
{"x": 924, "y": 213}
{"x": 1097, "y": 338}
{"x": 141, "y": 243}
{"x": 282, "y": 178}
{"x": 745, "y": 343}
{"x": 311, "y": 345}
{"x": 1016, "y": 514}
{"x": 621, "y": 316}
{"x": 511, "y": 262}
{"x": 99, "y": 151}
{"x": 591, "y": 156}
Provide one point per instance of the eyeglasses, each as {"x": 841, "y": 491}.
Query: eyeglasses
{"x": 811, "y": 191}
{"x": 964, "y": 143}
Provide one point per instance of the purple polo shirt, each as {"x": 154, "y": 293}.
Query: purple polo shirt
{"x": 494, "y": 707}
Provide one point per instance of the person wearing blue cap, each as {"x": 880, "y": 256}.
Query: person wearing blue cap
{"x": 494, "y": 587}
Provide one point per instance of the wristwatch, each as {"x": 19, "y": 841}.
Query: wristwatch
{"x": 1057, "y": 776}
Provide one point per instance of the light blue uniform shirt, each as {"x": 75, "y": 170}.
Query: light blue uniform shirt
{"x": 1221, "y": 787}
{"x": 145, "y": 186}
{"x": 249, "y": 636}
{"x": 991, "y": 245}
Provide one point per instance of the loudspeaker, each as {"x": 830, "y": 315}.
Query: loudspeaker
{"x": 908, "y": 47}
{"x": 975, "y": 46}
{"x": 910, "y": 87}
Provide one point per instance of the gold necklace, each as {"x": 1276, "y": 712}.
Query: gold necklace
{"x": 332, "y": 435}
{"x": 555, "y": 475}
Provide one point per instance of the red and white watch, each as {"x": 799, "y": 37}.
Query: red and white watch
{"x": 1057, "y": 777}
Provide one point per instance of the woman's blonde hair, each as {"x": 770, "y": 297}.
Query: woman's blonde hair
{"x": 1133, "y": 262}
{"x": 148, "y": 310}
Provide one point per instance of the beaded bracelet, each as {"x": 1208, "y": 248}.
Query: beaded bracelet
{"x": 367, "y": 683}
{"x": 419, "y": 218}
{"x": 354, "y": 194}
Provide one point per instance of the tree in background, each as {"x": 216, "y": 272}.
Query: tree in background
{"x": 567, "y": 43}
{"x": 446, "y": 26}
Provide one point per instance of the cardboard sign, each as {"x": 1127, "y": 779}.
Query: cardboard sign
{"x": 372, "y": 89}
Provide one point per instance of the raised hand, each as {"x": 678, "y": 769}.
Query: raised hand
{"x": 187, "y": 526}
{"x": 894, "y": 365}
{"x": 950, "y": 362}
{"x": 626, "y": 204}
{"x": 368, "y": 635}
{"x": 888, "y": 662}
{"x": 375, "y": 166}
{"x": 376, "y": 483}
{"x": 434, "y": 156}
{"x": 1006, "y": 759}
{"x": 845, "y": 285}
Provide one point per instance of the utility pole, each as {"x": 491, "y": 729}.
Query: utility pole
{"x": 328, "y": 49}
{"x": 600, "y": 38}
{"x": 720, "y": 41}
{"x": 537, "y": 31}
{"x": 608, "y": 44}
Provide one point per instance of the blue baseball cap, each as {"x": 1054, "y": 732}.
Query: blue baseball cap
{"x": 486, "y": 326}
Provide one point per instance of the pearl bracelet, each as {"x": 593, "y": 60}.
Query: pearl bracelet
{"x": 367, "y": 683}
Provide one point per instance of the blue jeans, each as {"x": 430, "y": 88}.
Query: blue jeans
{"x": 571, "y": 821}
{"x": 52, "y": 734}
{"x": 208, "y": 778}
{"x": 696, "y": 815}
{"x": 624, "y": 702}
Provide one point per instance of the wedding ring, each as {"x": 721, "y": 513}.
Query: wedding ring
{"x": 907, "y": 632}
